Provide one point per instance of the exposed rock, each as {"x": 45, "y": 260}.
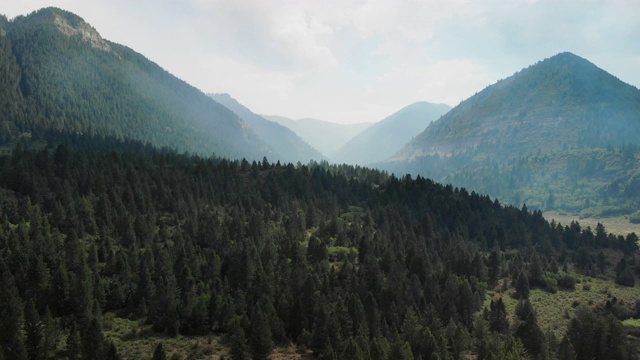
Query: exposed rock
{"x": 86, "y": 31}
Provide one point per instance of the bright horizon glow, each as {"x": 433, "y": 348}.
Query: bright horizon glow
{"x": 354, "y": 61}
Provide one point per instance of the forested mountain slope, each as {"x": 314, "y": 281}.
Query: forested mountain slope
{"x": 383, "y": 139}
{"x": 325, "y": 136}
{"x": 559, "y": 135}
{"x": 561, "y": 102}
{"x": 286, "y": 144}
{"x": 58, "y": 74}
{"x": 347, "y": 262}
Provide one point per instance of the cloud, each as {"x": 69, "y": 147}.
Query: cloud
{"x": 449, "y": 81}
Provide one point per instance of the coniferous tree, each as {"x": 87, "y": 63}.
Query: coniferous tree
{"x": 159, "y": 353}
{"x": 238, "y": 340}
{"x": 34, "y": 334}
{"x": 498, "y": 317}
{"x": 11, "y": 317}
{"x": 566, "y": 350}
{"x": 112, "y": 352}
{"x": 522, "y": 286}
{"x": 261, "y": 342}
{"x": 352, "y": 351}
{"x": 74, "y": 343}
{"x": 93, "y": 342}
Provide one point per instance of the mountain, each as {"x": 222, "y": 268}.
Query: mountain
{"x": 383, "y": 139}
{"x": 287, "y": 145}
{"x": 322, "y": 135}
{"x": 562, "y": 135}
{"x": 562, "y": 102}
{"x": 59, "y": 76}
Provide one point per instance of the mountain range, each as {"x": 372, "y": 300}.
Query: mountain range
{"x": 287, "y": 145}
{"x": 325, "y": 136}
{"x": 383, "y": 139}
{"x": 561, "y": 134}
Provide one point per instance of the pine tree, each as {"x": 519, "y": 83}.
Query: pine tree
{"x": 159, "y": 353}
{"x": 93, "y": 343}
{"x": 239, "y": 348}
{"x": 261, "y": 342}
{"x": 33, "y": 328}
{"x": 565, "y": 350}
{"x": 352, "y": 351}
{"x": 74, "y": 343}
{"x": 498, "y": 317}
{"x": 112, "y": 352}
{"x": 522, "y": 286}
{"x": 11, "y": 317}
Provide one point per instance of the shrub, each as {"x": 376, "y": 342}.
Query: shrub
{"x": 566, "y": 281}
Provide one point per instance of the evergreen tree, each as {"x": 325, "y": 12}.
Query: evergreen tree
{"x": 159, "y": 353}
{"x": 74, "y": 344}
{"x": 522, "y": 286}
{"x": 498, "y": 317}
{"x": 33, "y": 327}
{"x": 239, "y": 348}
{"x": 112, "y": 352}
{"x": 93, "y": 342}
{"x": 352, "y": 351}
{"x": 11, "y": 317}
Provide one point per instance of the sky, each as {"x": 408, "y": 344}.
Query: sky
{"x": 351, "y": 61}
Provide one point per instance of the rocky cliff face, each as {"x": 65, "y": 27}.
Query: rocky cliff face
{"x": 86, "y": 31}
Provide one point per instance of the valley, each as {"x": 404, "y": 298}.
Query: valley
{"x": 141, "y": 218}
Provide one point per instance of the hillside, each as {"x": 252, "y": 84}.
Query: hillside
{"x": 383, "y": 139}
{"x": 562, "y": 102}
{"x": 287, "y": 145}
{"x": 325, "y": 136}
{"x": 60, "y": 76}
{"x": 107, "y": 252}
{"x": 559, "y": 135}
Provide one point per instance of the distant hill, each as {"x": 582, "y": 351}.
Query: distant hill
{"x": 562, "y": 134}
{"x": 287, "y": 145}
{"x": 58, "y": 75}
{"x": 383, "y": 139}
{"x": 322, "y": 135}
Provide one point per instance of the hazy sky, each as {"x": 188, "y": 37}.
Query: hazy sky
{"x": 356, "y": 60}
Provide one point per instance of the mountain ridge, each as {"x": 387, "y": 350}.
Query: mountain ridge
{"x": 287, "y": 145}
{"x": 384, "y": 138}
{"x": 62, "y": 76}
{"x": 325, "y": 136}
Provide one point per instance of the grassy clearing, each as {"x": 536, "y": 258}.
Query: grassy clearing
{"x": 556, "y": 310}
{"x": 137, "y": 341}
{"x": 134, "y": 340}
{"x": 619, "y": 225}
{"x": 632, "y": 323}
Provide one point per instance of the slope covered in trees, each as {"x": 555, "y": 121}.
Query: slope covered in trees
{"x": 286, "y": 144}
{"x": 383, "y": 139}
{"x": 58, "y": 74}
{"x": 349, "y": 262}
{"x": 559, "y": 135}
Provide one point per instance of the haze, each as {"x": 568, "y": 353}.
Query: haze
{"x": 353, "y": 61}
